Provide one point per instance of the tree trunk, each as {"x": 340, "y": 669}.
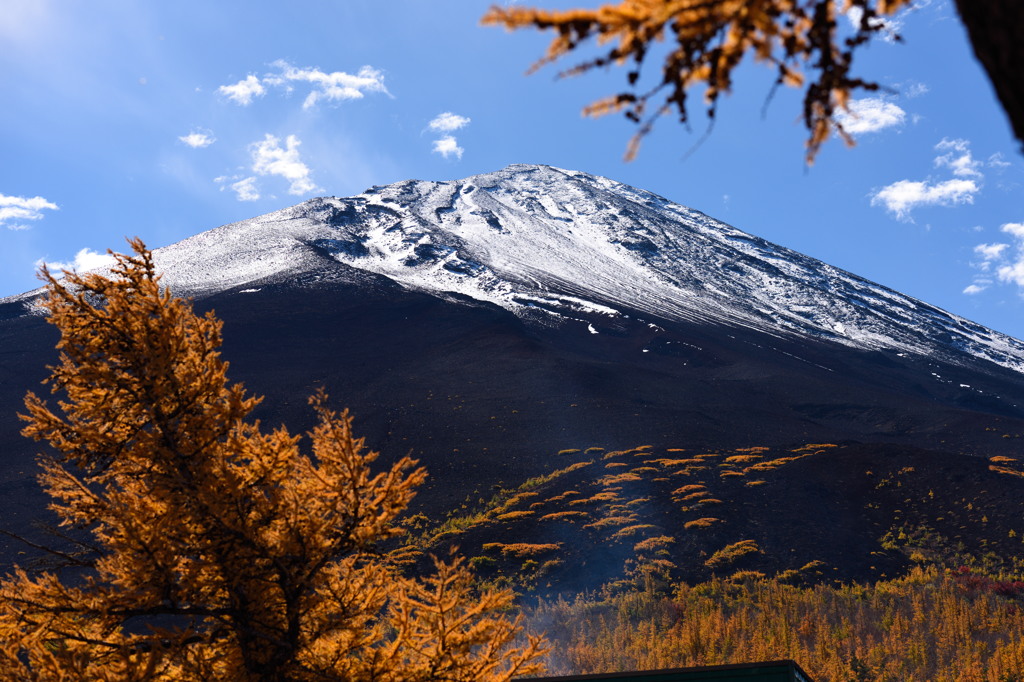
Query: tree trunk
{"x": 996, "y": 31}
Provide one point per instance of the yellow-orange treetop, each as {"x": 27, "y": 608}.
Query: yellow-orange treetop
{"x": 707, "y": 40}
{"x": 223, "y": 551}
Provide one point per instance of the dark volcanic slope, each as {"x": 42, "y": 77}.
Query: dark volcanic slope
{"x": 482, "y": 397}
{"x": 483, "y": 388}
{"x": 815, "y": 513}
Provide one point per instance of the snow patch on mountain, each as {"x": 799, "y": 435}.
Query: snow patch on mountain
{"x": 541, "y": 240}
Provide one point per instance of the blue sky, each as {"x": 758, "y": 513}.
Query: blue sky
{"x": 165, "y": 119}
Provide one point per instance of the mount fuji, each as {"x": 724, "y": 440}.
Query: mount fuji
{"x": 547, "y": 244}
{"x": 487, "y": 323}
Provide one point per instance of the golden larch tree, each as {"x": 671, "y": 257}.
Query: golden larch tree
{"x": 707, "y": 39}
{"x": 225, "y": 552}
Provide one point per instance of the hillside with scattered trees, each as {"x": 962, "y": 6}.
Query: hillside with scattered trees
{"x": 196, "y": 544}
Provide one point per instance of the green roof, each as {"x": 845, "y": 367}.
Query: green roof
{"x": 768, "y": 671}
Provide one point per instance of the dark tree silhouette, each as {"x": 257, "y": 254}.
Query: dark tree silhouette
{"x": 995, "y": 27}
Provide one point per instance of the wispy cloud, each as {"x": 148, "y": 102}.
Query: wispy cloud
{"x": 334, "y": 86}
{"x": 1002, "y": 261}
{"x": 1012, "y": 271}
{"x": 85, "y": 259}
{"x": 914, "y": 89}
{"x": 989, "y": 253}
{"x": 448, "y": 146}
{"x": 245, "y": 189}
{"x": 243, "y": 91}
{"x": 197, "y": 139}
{"x": 448, "y": 122}
{"x": 15, "y": 210}
{"x": 1015, "y": 229}
{"x": 903, "y": 196}
{"x": 869, "y": 115}
{"x": 270, "y": 158}
{"x": 997, "y": 160}
{"x": 958, "y": 158}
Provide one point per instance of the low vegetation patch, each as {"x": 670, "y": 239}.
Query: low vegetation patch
{"x": 517, "y": 514}
{"x": 521, "y": 549}
{"x": 603, "y": 496}
{"x": 611, "y": 521}
{"x": 928, "y": 626}
{"x": 731, "y": 553}
{"x": 630, "y": 531}
{"x": 565, "y": 516}
{"x": 704, "y": 522}
{"x": 654, "y": 543}
{"x": 624, "y": 477}
{"x": 742, "y": 459}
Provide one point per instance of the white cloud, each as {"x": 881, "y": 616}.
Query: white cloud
{"x": 1013, "y": 272}
{"x": 242, "y": 92}
{"x": 447, "y": 146}
{"x": 915, "y": 90}
{"x": 269, "y": 158}
{"x": 903, "y": 196}
{"x": 246, "y": 190}
{"x": 448, "y": 122}
{"x": 84, "y": 260}
{"x": 335, "y": 86}
{"x": 1006, "y": 261}
{"x": 869, "y": 115}
{"x": 14, "y": 210}
{"x": 997, "y": 160}
{"x": 958, "y": 158}
{"x": 989, "y": 253}
{"x": 1016, "y": 229}
{"x": 889, "y": 27}
{"x": 197, "y": 139}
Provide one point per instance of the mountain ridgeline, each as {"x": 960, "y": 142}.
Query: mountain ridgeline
{"x": 485, "y": 324}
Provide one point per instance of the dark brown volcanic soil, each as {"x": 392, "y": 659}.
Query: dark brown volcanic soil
{"x": 484, "y": 398}
{"x": 808, "y": 514}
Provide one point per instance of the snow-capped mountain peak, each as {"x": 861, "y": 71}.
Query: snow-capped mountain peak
{"x": 548, "y": 243}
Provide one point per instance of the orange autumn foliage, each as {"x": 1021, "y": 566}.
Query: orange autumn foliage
{"x": 707, "y": 40}
{"x": 928, "y": 626}
{"x": 223, "y": 551}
